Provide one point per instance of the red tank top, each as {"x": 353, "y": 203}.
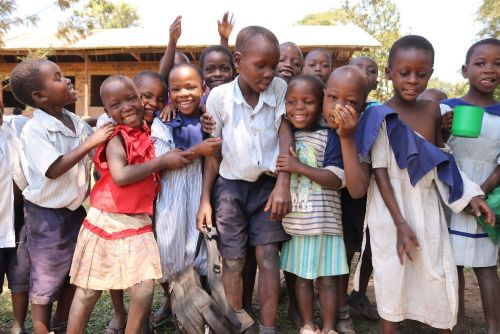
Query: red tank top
{"x": 133, "y": 198}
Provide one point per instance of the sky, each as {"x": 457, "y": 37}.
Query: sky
{"x": 448, "y": 24}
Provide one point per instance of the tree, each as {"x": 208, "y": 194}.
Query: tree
{"x": 489, "y": 16}
{"x": 451, "y": 89}
{"x": 97, "y": 14}
{"x": 9, "y": 19}
{"x": 380, "y": 18}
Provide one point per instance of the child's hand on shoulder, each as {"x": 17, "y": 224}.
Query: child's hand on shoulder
{"x": 207, "y": 123}
{"x": 168, "y": 113}
{"x": 176, "y": 29}
{"x": 288, "y": 163}
{"x": 101, "y": 135}
{"x": 348, "y": 118}
{"x": 225, "y": 26}
{"x": 209, "y": 146}
{"x": 407, "y": 242}
{"x": 478, "y": 206}
{"x": 176, "y": 159}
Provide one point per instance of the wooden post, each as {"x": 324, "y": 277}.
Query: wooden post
{"x": 86, "y": 87}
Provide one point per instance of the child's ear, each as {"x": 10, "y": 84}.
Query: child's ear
{"x": 38, "y": 97}
{"x": 237, "y": 59}
{"x": 387, "y": 73}
{"x": 106, "y": 111}
{"x": 464, "y": 72}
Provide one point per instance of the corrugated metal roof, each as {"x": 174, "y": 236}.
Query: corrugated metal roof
{"x": 345, "y": 36}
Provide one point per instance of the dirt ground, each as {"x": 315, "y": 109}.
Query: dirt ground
{"x": 102, "y": 314}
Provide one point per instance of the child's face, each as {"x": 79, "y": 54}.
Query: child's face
{"x": 483, "y": 69}
{"x": 122, "y": 103}
{"x": 186, "y": 90}
{"x": 302, "y": 104}
{"x": 57, "y": 90}
{"x": 318, "y": 63}
{"x": 410, "y": 72}
{"x": 257, "y": 66}
{"x": 217, "y": 69}
{"x": 290, "y": 62}
{"x": 368, "y": 66}
{"x": 343, "y": 89}
{"x": 152, "y": 93}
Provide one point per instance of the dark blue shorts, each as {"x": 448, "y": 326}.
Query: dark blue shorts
{"x": 353, "y": 219}
{"x": 240, "y": 217}
{"x": 52, "y": 235}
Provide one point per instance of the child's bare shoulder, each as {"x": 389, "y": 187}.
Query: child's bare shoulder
{"x": 430, "y": 109}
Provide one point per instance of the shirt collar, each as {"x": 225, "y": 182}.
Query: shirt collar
{"x": 53, "y": 124}
{"x": 266, "y": 96}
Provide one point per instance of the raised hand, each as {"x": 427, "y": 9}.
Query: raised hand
{"x": 101, "y": 136}
{"x": 176, "y": 29}
{"x": 225, "y": 26}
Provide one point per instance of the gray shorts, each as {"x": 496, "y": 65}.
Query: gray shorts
{"x": 240, "y": 217}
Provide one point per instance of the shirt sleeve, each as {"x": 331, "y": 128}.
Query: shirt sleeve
{"x": 444, "y": 108}
{"x": 380, "y": 150}
{"x": 333, "y": 156}
{"x": 214, "y": 103}
{"x": 280, "y": 92}
{"x": 40, "y": 152}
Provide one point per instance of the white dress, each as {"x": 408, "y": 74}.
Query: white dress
{"x": 176, "y": 208}
{"x": 425, "y": 289}
{"x": 478, "y": 158}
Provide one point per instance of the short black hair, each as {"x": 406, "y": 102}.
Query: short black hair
{"x": 17, "y": 111}
{"x": 486, "y": 41}
{"x": 183, "y": 55}
{"x": 216, "y": 48}
{"x": 139, "y": 77}
{"x": 351, "y": 69}
{"x": 411, "y": 42}
{"x": 25, "y": 79}
{"x": 196, "y": 69}
{"x": 121, "y": 78}
{"x": 328, "y": 54}
{"x": 251, "y": 34}
{"x": 315, "y": 81}
{"x": 296, "y": 46}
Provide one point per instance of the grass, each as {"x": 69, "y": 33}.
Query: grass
{"x": 103, "y": 310}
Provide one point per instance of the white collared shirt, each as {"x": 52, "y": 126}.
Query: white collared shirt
{"x": 45, "y": 139}
{"x": 10, "y": 149}
{"x": 249, "y": 135}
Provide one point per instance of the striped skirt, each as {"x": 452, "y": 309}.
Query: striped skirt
{"x": 314, "y": 256}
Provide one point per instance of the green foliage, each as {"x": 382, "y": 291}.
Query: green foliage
{"x": 489, "y": 16}
{"x": 451, "y": 89}
{"x": 97, "y": 14}
{"x": 380, "y": 18}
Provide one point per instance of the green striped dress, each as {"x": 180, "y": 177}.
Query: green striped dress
{"x": 315, "y": 222}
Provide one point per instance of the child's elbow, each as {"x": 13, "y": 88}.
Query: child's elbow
{"x": 357, "y": 191}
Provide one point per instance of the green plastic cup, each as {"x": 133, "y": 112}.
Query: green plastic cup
{"x": 467, "y": 121}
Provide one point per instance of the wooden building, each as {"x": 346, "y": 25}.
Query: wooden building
{"x": 105, "y": 52}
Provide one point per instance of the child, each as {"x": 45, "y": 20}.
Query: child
{"x": 433, "y": 94}
{"x": 353, "y": 216}
{"x": 116, "y": 248}
{"x": 216, "y": 63}
{"x": 14, "y": 261}
{"x": 316, "y": 250}
{"x": 319, "y": 63}
{"x": 248, "y": 115}
{"x": 57, "y": 144}
{"x": 178, "y": 201}
{"x": 403, "y": 210}
{"x": 479, "y": 158}
{"x": 291, "y": 61}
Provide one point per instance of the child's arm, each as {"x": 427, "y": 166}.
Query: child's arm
{"x": 280, "y": 201}
{"x": 206, "y": 148}
{"x": 210, "y": 172}
{"x": 356, "y": 173}
{"x": 124, "y": 174}
{"x": 225, "y": 28}
{"x": 492, "y": 181}
{"x": 167, "y": 61}
{"x": 322, "y": 176}
{"x": 406, "y": 239}
{"x": 439, "y": 142}
{"x": 67, "y": 161}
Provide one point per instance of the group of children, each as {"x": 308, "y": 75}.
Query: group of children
{"x": 284, "y": 159}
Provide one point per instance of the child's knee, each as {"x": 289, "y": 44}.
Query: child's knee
{"x": 268, "y": 257}
{"x": 326, "y": 283}
{"x": 234, "y": 265}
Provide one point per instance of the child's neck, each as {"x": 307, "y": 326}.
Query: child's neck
{"x": 56, "y": 112}
{"x": 478, "y": 98}
{"x": 250, "y": 96}
{"x": 399, "y": 104}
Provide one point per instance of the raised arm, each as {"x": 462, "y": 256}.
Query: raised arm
{"x": 225, "y": 28}
{"x": 67, "y": 161}
{"x": 167, "y": 61}
{"x": 356, "y": 173}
